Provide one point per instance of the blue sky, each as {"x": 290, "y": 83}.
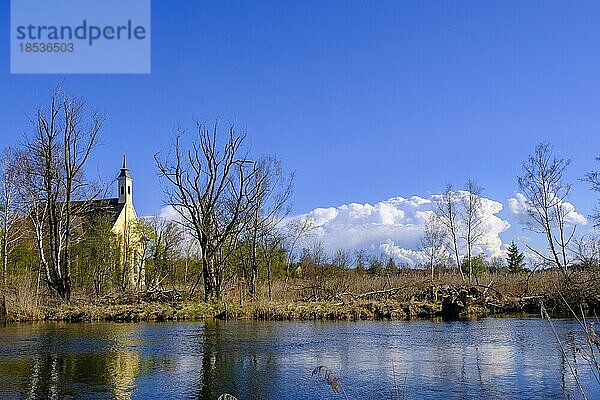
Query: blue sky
{"x": 363, "y": 100}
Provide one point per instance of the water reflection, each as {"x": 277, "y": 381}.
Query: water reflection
{"x": 239, "y": 359}
{"x": 124, "y": 367}
{"x": 491, "y": 358}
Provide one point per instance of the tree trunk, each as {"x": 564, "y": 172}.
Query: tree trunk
{"x": 208, "y": 288}
{"x": 269, "y": 278}
{"x": 3, "y": 309}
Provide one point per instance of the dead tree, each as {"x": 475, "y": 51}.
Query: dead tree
{"x": 58, "y": 149}
{"x": 212, "y": 190}
{"x": 543, "y": 186}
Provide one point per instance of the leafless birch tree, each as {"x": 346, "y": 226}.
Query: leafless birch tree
{"x": 473, "y": 221}
{"x": 449, "y": 215}
{"x": 10, "y": 211}
{"x": 433, "y": 242}
{"x": 58, "y": 149}
{"x": 543, "y": 185}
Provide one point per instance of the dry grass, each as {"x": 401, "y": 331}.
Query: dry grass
{"x": 346, "y": 295}
{"x": 331, "y": 379}
{"x": 580, "y": 287}
{"x": 23, "y": 303}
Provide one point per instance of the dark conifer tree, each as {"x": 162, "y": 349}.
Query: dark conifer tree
{"x": 515, "y": 259}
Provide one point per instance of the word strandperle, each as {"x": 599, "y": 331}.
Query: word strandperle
{"x": 90, "y": 33}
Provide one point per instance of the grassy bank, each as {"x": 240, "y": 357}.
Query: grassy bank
{"x": 393, "y": 310}
{"x": 403, "y": 296}
{"x": 276, "y": 311}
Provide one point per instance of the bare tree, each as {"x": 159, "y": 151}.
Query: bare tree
{"x": 273, "y": 190}
{"x": 60, "y": 146}
{"x": 272, "y": 252}
{"x": 361, "y": 259}
{"x": 100, "y": 251}
{"x": 165, "y": 239}
{"x": 295, "y": 231}
{"x": 473, "y": 221}
{"x": 212, "y": 190}
{"x": 449, "y": 215}
{"x": 593, "y": 178}
{"x": 433, "y": 242}
{"x": 342, "y": 258}
{"x": 10, "y": 211}
{"x": 543, "y": 186}
{"x": 314, "y": 266}
{"x": 587, "y": 250}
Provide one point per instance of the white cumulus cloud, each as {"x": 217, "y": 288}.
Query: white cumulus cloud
{"x": 169, "y": 213}
{"x": 519, "y": 207}
{"x": 393, "y": 227}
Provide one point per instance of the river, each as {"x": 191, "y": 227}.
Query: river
{"x": 492, "y": 358}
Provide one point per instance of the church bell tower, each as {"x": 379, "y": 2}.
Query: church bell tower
{"x": 125, "y": 184}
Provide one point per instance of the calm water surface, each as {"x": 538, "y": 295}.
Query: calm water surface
{"x": 490, "y": 359}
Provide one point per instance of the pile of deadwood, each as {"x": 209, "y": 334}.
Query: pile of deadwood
{"x": 159, "y": 295}
{"x": 461, "y": 301}
{"x": 147, "y": 296}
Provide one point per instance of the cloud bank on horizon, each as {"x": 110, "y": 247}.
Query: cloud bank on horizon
{"x": 394, "y": 227}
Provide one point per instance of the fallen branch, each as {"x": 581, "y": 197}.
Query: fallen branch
{"x": 370, "y": 293}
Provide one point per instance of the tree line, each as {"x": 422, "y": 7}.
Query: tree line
{"x": 231, "y": 208}
{"x": 457, "y": 227}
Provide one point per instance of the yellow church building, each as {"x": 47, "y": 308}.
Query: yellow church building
{"x": 125, "y": 227}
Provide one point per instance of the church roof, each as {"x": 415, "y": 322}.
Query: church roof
{"x": 96, "y": 208}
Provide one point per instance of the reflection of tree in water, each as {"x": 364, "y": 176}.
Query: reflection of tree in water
{"x": 581, "y": 356}
{"x": 50, "y": 376}
{"x": 46, "y": 378}
{"x": 59, "y": 365}
{"x": 238, "y": 358}
{"x": 504, "y": 360}
{"x": 50, "y": 373}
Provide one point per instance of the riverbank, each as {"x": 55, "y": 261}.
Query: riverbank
{"x": 404, "y": 296}
{"x": 253, "y": 311}
{"x": 279, "y": 311}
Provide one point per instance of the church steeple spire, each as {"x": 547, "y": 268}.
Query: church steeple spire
{"x": 125, "y": 183}
{"x": 124, "y": 169}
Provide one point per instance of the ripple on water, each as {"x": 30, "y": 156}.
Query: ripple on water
{"x": 489, "y": 358}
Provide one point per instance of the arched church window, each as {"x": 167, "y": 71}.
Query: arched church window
{"x": 122, "y": 190}
{"x": 128, "y": 189}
